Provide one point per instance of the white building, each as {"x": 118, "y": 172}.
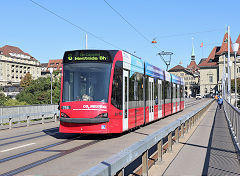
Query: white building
{"x": 14, "y": 64}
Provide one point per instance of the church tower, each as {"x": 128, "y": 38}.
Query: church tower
{"x": 193, "y": 53}
{"x": 193, "y": 67}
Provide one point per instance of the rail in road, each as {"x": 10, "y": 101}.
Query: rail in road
{"x": 41, "y": 150}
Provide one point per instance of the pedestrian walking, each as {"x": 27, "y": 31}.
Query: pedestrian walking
{"x": 220, "y": 102}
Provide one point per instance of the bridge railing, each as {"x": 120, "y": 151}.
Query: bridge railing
{"x": 27, "y": 114}
{"x": 172, "y": 132}
{"x": 233, "y": 117}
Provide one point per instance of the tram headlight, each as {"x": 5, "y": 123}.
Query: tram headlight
{"x": 64, "y": 115}
{"x": 103, "y": 115}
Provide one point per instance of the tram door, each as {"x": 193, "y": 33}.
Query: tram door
{"x": 125, "y": 99}
{"x": 178, "y": 97}
{"x": 174, "y": 98}
{"x": 151, "y": 99}
{"x": 160, "y": 99}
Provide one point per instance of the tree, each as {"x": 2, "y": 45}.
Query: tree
{"x": 3, "y": 98}
{"x": 39, "y": 91}
{"x": 26, "y": 80}
{"x": 14, "y": 102}
{"x": 233, "y": 85}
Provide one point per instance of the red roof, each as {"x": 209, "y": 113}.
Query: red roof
{"x": 55, "y": 64}
{"x": 238, "y": 41}
{"x": 208, "y": 62}
{"x": 7, "y": 49}
{"x": 224, "y": 47}
{"x": 193, "y": 66}
{"x": 177, "y": 67}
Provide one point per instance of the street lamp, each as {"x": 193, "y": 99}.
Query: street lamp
{"x": 51, "y": 71}
{"x": 235, "y": 47}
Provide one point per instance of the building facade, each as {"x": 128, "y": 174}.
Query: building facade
{"x": 190, "y": 76}
{"x": 14, "y": 64}
{"x": 55, "y": 64}
{"x": 212, "y": 68}
{"x": 191, "y": 80}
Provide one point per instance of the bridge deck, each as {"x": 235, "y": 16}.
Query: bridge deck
{"x": 209, "y": 151}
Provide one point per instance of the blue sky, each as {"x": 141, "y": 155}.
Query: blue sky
{"x": 44, "y": 36}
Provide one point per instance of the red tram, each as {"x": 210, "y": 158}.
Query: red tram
{"x": 111, "y": 91}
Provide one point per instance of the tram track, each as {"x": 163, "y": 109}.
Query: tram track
{"x": 55, "y": 130}
{"x": 192, "y": 103}
{"x": 21, "y": 135}
{"x": 93, "y": 139}
{"x": 37, "y": 150}
{"x": 50, "y": 158}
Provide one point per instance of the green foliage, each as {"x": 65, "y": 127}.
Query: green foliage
{"x": 26, "y": 80}
{"x": 3, "y": 99}
{"x": 14, "y": 102}
{"x": 233, "y": 85}
{"x": 39, "y": 91}
{"x": 56, "y": 72}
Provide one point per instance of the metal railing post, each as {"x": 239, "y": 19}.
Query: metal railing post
{"x": 177, "y": 135}
{"x": 55, "y": 117}
{"x": 145, "y": 163}
{"x": 120, "y": 173}
{"x": 182, "y": 130}
{"x": 160, "y": 151}
{"x": 187, "y": 123}
{"x": 42, "y": 118}
{"x": 170, "y": 142}
{"x": 10, "y": 123}
{"x": 28, "y": 120}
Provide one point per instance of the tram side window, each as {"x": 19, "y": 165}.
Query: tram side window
{"x": 140, "y": 90}
{"x": 174, "y": 90}
{"x": 116, "y": 98}
{"x": 178, "y": 91}
{"x": 181, "y": 91}
{"x": 135, "y": 90}
{"x": 167, "y": 90}
{"x": 162, "y": 89}
{"x": 133, "y": 84}
{"x": 68, "y": 86}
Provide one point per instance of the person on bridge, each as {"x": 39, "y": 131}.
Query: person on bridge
{"x": 220, "y": 102}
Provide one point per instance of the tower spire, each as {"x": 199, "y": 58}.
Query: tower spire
{"x": 193, "y": 53}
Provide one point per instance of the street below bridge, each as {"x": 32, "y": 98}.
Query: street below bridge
{"x": 42, "y": 150}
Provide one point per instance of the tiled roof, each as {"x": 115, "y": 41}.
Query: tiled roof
{"x": 55, "y": 64}
{"x": 203, "y": 59}
{"x": 193, "y": 66}
{"x": 212, "y": 54}
{"x": 177, "y": 67}
{"x": 44, "y": 64}
{"x": 7, "y": 49}
{"x": 207, "y": 64}
{"x": 224, "y": 47}
{"x": 238, "y": 41}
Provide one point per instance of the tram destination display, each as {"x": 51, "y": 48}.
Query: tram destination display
{"x": 86, "y": 56}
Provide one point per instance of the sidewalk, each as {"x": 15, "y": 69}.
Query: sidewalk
{"x": 209, "y": 151}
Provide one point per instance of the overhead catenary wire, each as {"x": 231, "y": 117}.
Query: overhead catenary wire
{"x": 143, "y": 36}
{"x": 189, "y": 33}
{"x": 71, "y": 23}
{"x": 136, "y": 30}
